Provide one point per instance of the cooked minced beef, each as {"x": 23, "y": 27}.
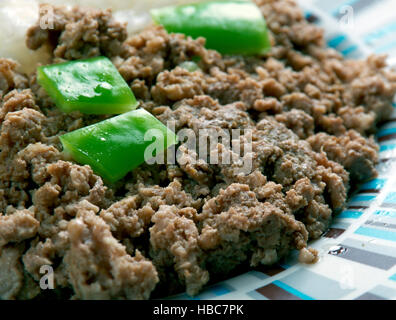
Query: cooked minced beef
{"x": 168, "y": 228}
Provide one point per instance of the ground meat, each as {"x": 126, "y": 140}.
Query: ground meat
{"x": 304, "y": 117}
{"x": 17, "y": 227}
{"x": 301, "y": 122}
{"x": 11, "y": 272}
{"x": 9, "y": 78}
{"x": 177, "y": 85}
{"x": 78, "y": 33}
{"x": 99, "y": 267}
{"x": 17, "y": 100}
{"x": 153, "y": 50}
{"x": 234, "y": 86}
{"x": 309, "y": 255}
{"x": 124, "y": 218}
{"x": 174, "y": 241}
{"x": 18, "y": 129}
{"x": 357, "y": 155}
{"x": 234, "y": 219}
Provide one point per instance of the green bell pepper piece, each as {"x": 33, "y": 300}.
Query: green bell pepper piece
{"x": 117, "y": 145}
{"x": 190, "y": 66}
{"x": 230, "y": 27}
{"x": 91, "y": 86}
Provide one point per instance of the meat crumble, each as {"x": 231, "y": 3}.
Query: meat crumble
{"x": 168, "y": 228}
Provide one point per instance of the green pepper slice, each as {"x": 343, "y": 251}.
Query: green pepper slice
{"x": 230, "y": 27}
{"x": 190, "y": 66}
{"x": 118, "y": 145}
{"x": 91, "y": 86}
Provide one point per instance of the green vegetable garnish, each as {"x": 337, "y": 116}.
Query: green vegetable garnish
{"x": 117, "y": 145}
{"x": 230, "y": 27}
{"x": 190, "y": 66}
{"x": 92, "y": 86}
